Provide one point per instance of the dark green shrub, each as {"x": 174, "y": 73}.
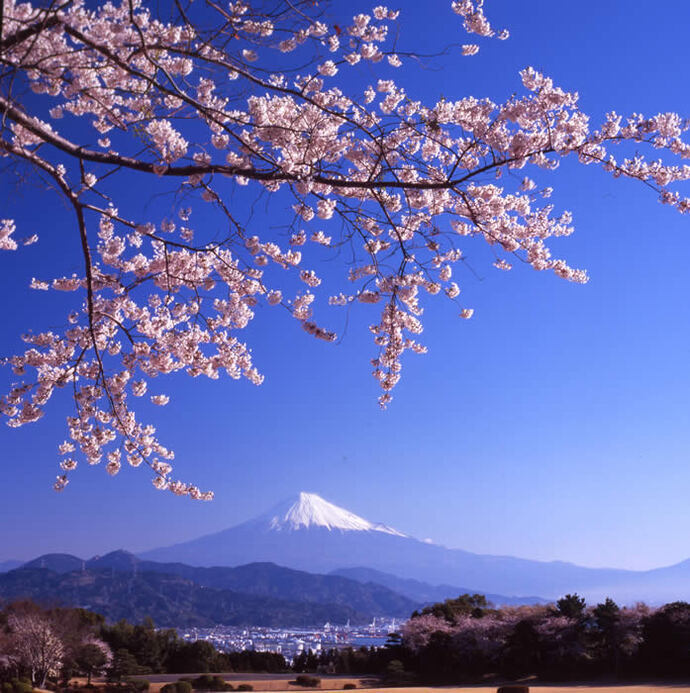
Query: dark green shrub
{"x": 396, "y": 675}
{"x": 128, "y": 686}
{"x": 17, "y": 686}
{"x": 308, "y": 681}
{"x": 177, "y": 687}
{"x": 245, "y": 687}
{"x": 206, "y": 682}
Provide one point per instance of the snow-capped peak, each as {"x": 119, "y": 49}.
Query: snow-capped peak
{"x": 310, "y": 510}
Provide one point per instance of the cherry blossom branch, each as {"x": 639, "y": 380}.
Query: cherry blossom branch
{"x": 181, "y": 105}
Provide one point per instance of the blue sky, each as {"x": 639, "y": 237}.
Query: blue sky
{"x": 553, "y": 425}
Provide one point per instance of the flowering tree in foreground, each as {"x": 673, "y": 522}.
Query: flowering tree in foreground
{"x": 35, "y": 645}
{"x": 445, "y": 643}
{"x": 55, "y": 642}
{"x": 218, "y": 99}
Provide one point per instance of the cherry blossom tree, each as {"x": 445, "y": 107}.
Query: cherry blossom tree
{"x": 527, "y": 640}
{"x": 35, "y": 645}
{"x": 219, "y": 100}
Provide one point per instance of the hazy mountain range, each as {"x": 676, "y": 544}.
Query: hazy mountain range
{"x": 424, "y": 592}
{"x": 257, "y": 579}
{"x": 335, "y": 566}
{"x": 168, "y": 599}
{"x": 119, "y": 585}
{"x": 309, "y": 533}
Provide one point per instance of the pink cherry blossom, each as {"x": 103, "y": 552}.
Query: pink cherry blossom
{"x": 185, "y": 99}
{"x": 160, "y": 400}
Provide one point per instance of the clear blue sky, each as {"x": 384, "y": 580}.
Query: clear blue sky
{"x": 553, "y": 425}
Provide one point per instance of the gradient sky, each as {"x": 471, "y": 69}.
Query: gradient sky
{"x": 553, "y": 425}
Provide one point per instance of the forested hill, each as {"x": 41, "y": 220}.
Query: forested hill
{"x": 169, "y": 600}
{"x": 120, "y": 586}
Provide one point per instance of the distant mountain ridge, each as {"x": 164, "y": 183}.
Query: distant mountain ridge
{"x": 255, "y": 594}
{"x": 309, "y": 533}
{"x": 424, "y": 592}
{"x": 170, "y": 600}
{"x": 57, "y": 563}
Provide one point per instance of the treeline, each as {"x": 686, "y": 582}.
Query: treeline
{"x": 464, "y": 640}
{"x": 51, "y": 646}
{"x": 141, "y": 649}
{"x": 461, "y": 640}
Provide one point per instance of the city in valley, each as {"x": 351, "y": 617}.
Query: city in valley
{"x": 292, "y": 641}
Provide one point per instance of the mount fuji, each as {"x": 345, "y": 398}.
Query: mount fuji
{"x": 307, "y": 533}
{"x": 311, "y": 534}
{"x": 312, "y": 511}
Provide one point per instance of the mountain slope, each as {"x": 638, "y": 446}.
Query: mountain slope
{"x": 270, "y": 580}
{"x": 320, "y": 537}
{"x": 310, "y": 510}
{"x": 170, "y": 600}
{"x": 57, "y": 562}
{"x": 423, "y": 591}
{"x": 258, "y": 579}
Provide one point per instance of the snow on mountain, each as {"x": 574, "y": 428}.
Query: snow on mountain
{"x": 310, "y": 534}
{"x": 310, "y": 510}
